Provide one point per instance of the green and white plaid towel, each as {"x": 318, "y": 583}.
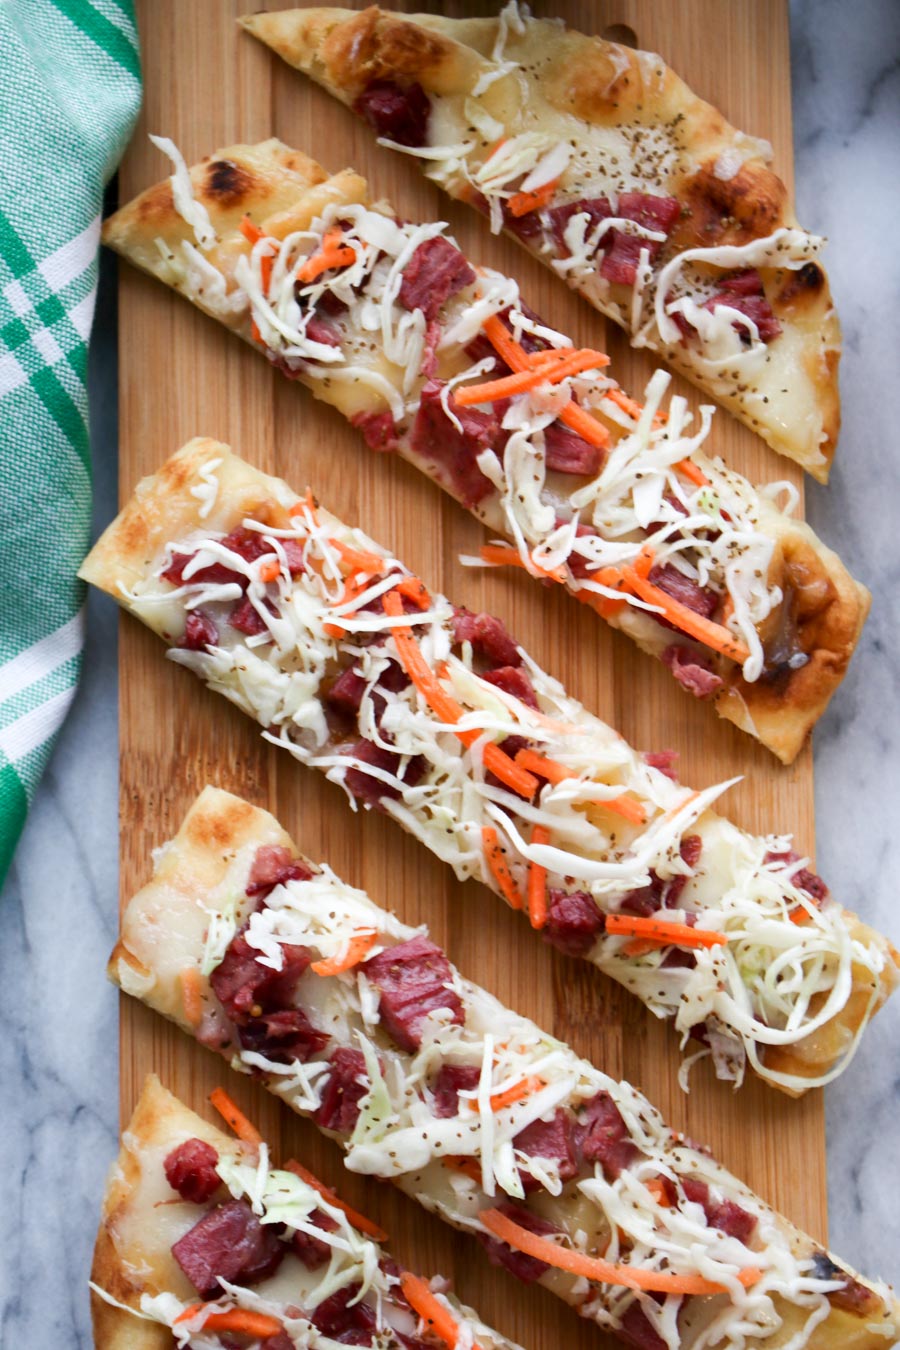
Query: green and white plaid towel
{"x": 70, "y": 88}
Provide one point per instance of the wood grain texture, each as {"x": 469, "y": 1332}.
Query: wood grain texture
{"x": 208, "y": 85}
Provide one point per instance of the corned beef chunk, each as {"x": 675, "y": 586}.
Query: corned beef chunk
{"x": 683, "y": 589}
{"x": 399, "y": 115}
{"x": 637, "y": 1330}
{"x": 552, "y": 1139}
{"x": 622, "y": 251}
{"x": 664, "y": 761}
{"x": 246, "y": 618}
{"x": 558, "y": 217}
{"x": 283, "y": 1036}
{"x": 379, "y": 430}
{"x": 722, "y": 1214}
{"x": 347, "y": 691}
{"x": 744, "y": 292}
{"x": 317, "y": 330}
{"x": 660, "y": 894}
{"x": 488, "y": 637}
{"x": 411, "y": 979}
{"x": 247, "y": 544}
{"x": 654, "y": 213}
{"x": 450, "y": 1081}
{"x": 606, "y": 1139}
{"x": 693, "y": 670}
{"x": 313, "y": 1251}
{"x": 621, "y": 257}
{"x": 343, "y": 1320}
{"x": 525, "y": 1268}
{"x": 245, "y": 988}
{"x": 272, "y": 867}
{"x": 199, "y": 632}
{"x": 436, "y": 438}
{"x": 339, "y": 1109}
{"x": 280, "y": 1342}
{"x": 190, "y": 1170}
{"x": 573, "y": 922}
{"x": 435, "y": 271}
{"x": 228, "y": 1243}
{"x": 804, "y": 880}
{"x": 567, "y": 452}
{"x": 372, "y": 790}
{"x": 513, "y": 680}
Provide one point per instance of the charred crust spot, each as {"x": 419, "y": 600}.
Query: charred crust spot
{"x": 226, "y": 182}
{"x": 156, "y": 204}
{"x": 220, "y": 828}
{"x": 807, "y": 280}
{"x": 377, "y": 46}
{"x": 735, "y": 210}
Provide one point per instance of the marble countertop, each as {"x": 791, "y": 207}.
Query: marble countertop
{"x": 60, "y": 1076}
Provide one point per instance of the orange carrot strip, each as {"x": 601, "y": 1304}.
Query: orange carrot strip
{"x": 641, "y": 946}
{"x": 446, "y": 708}
{"x": 695, "y": 625}
{"x": 357, "y": 949}
{"x": 358, "y": 1220}
{"x": 522, "y": 202}
{"x": 256, "y": 1324}
{"x": 537, "y": 881}
{"x": 192, "y": 994}
{"x": 555, "y": 773}
{"x": 665, "y": 931}
{"x": 353, "y": 586}
{"x": 499, "y": 866}
{"x": 235, "y": 1118}
{"x": 544, "y": 371}
{"x": 331, "y": 255}
{"x": 467, "y": 1166}
{"x": 659, "y": 1189}
{"x": 361, "y": 560}
{"x": 254, "y": 331}
{"x": 504, "y": 555}
{"x": 595, "y": 1268}
{"x": 689, "y": 469}
{"x": 270, "y": 571}
{"x": 414, "y": 590}
{"x": 625, "y": 402}
{"x": 251, "y": 232}
{"x": 517, "y": 1093}
{"x": 436, "y": 1317}
{"x": 578, "y": 419}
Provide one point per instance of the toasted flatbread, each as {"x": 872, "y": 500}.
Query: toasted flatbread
{"x": 293, "y": 616}
{"x": 765, "y": 616}
{"x": 685, "y": 236}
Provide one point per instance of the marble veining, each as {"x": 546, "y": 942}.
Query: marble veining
{"x": 59, "y": 1071}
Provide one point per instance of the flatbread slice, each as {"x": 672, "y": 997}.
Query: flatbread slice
{"x": 743, "y": 604}
{"x": 184, "y": 1195}
{"x": 567, "y": 1177}
{"x": 611, "y": 171}
{"x": 438, "y": 718}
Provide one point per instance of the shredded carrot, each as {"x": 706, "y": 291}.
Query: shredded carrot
{"x": 664, "y": 931}
{"x": 192, "y": 994}
{"x": 415, "y": 590}
{"x": 640, "y": 946}
{"x": 469, "y": 1167}
{"x": 689, "y": 469}
{"x": 798, "y": 915}
{"x": 357, "y": 949}
{"x": 695, "y": 625}
{"x": 659, "y": 1189}
{"x": 623, "y": 806}
{"x": 555, "y": 773}
{"x": 517, "y": 359}
{"x": 254, "y": 331}
{"x": 307, "y": 503}
{"x": 252, "y": 233}
{"x": 625, "y": 402}
{"x": 604, "y": 605}
{"x": 332, "y": 254}
{"x": 358, "y": 1220}
{"x": 496, "y": 861}
{"x": 537, "y": 881}
{"x": 270, "y": 571}
{"x": 595, "y": 1268}
{"x": 361, "y": 560}
{"x": 446, "y": 708}
{"x": 504, "y": 555}
{"x": 517, "y": 1093}
{"x": 546, "y": 370}
{"x": 434, "y": 1315}
{"x": 353, "y": 586}
{"x": 522, "y": 202}
{"x": 256, "y": 1324}
{"x": 235, "y": 1118}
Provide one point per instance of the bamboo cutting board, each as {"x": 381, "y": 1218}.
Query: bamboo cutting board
{"x": 208, "y": 85}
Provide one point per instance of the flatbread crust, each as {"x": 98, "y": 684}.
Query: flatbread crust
{"x": 589, "y": 92}
{"x": 283, "y": 190}
{"x": 165, "y": 508}
{"x": 160, "y": 935}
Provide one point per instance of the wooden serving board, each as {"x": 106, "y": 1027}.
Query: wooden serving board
{"x": 208, "y": 85}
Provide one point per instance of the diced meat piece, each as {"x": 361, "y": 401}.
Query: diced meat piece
{"x": 246, "y": 988}
{"x": 690, "y": 849}
{"x": 664, "y": 761}
{"x": 552, "y": 1139}
{"x": 744, "y": 292}
{"x": 525, "y": 1268}
{"x": 347, "y": 691}
{"x": 283, "y": 1036}
{"x": 488, "y": 637}
{"x": 199, "y": 632}
{"x": 371, "y": 790}
{"x": 190, "y": 1170}
{"x": 693, "y": 670}
{"x": 558, "y": 217}
{"x": 654, "y": 213}
{"x": 411, "y": 979}
{"x": 339, "y": 1108}
{"x": 399, "y": 115}
{"x": 725, "y": 1215}
{"x": 636, "y": 1329}
{"x": 683, "y": 589}
{"x": 280, "y": 1342}
{"x": 623, "y": 251}
{"x": 621, "y": 257}
{"x": 228, "y": 1243}
{"x": 435, "y": 271}
{"x": 331, "y": 304}
{"x": 567, "y": 452}
{"x": 573, "y": 922}
{"x": 645, "y": 900}
{"x": 216, "y": 574}
{"x": 606, "y": 1140}
{"x": 379, "y": 430}
{"x": 344, "y": 1321}
{"x": 272, "y": 867}
{"x": 513, "y": 680}
{"x": 804, "y": 880}
{"x": 854, "y": 1297}
{"x": 313, "y": 1251}
{"x": 247, "y": 544}
{"x": 429, "y": 364}
{"x": 435, "y": 437}
{"x": 245, "y": 617}
{"x": 450, "y": 1081}
{"x": 317, "y": 330}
